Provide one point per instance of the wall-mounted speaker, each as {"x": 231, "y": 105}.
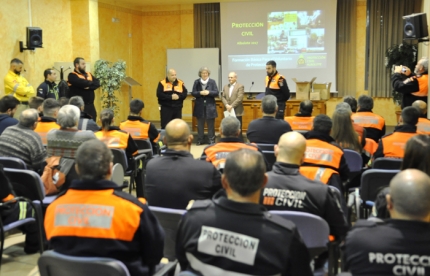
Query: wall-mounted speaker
{"x": 34, "y": 37}
{"x": 415, "y": 26}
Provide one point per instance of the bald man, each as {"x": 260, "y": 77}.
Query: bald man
{"x": 232, "y": 97}
{"x": 171, "y": 93}
{"x": 400, "y": 245}
{"x": 178, "y": 173}
{"x": 289, "y": 190}
{"x": 423, "y": 126}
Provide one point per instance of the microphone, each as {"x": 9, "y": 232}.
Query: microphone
{"x": 249, "y": 93}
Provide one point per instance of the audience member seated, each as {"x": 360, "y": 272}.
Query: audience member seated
{"x": 304, "y": 119}
{"x": 86, "y": 122}
{"x": 343, "y": 132}
{"x": 63, "y": 101}
{"x": 322, "y": 150}
{"x": 287, "y": 189}
{"x": 352, "y": 102}
{"x": 94, "y": 219}
{"x": 64, "y": 142}
{"x": 232, "y": 234}
{"x": 373, "y": 123}
{"x": 36, "y": 103}
{"x": 178, "y": 173}
{"x": 396, "y": 246}
{"x": 361, "y": 131}
{"x": 22, "y": 142}
{"x": 8, "y": 106}
{"x": 268, "y": 129}
{"x": 17, "y": 211}
{"x": 379, "y": 210}
{"x": 137, "y": 127}
{"x": 393, "y": 144}
{"x": 49, "y": 119}
{"x": 230, "y": 141}
{"x": 423, "y": 126}
{"x": 417, "y": 154}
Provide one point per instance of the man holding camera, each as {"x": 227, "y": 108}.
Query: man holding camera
{"x": 412, "y": 86}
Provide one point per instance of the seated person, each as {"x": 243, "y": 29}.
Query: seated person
{"x": 138, "y": 128}
{"x": 64, "y": 142}
{"x": 22, "y": 142}
{"x": 36, "y": 103}
{"x": 396, "y": 246}
{"x": 343, "y": 131}
{"x": 264, "y": 244}
{"x": 177, "y": 172}
{"x": 287, "y": 189}
{"x": 373, "y": 123}
{"x": 268, "y": 129}
{"x": 322, "y": 150}
{"x": 417, "y": 154}
{"x": 393, "y": 144}
{"x": 423, "y": 126}
{"x": 304, "y": 119}
{"x": 94, "y": 219}
{"x": 49, "y": 119}
{"x": 8, "y": 105}
{"x": 63, "y": 101}
{"x": 230, "y": 141}
{"x": 85, "y": 120}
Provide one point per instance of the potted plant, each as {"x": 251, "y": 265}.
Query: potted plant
{"x": 111, "y": 77}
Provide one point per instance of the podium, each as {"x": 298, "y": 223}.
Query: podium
{"x": 130, "y": 82}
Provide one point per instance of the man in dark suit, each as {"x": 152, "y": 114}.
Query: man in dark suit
{"x": 232, "y": 97}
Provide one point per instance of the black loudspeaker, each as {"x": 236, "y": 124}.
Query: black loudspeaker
{"x": 415, "y": 26}
{"x": 34, "y": 37}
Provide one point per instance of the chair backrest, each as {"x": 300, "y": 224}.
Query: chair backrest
{"x": 169, "y": 219}
{"x": 313, "y": 230}
{"x": 301, "y": 131}
{"x": 26, "y": 183}
{"x": 353, "y": 159}
{"x": 120, "y": 157}
{"x": 13, "y": 163}
{"x": 145, "y": 144}
{"x": 269, "y": 147}
{"x": 387, "y": 163}
{"x": 55, "y": 264}
{"x": 270, "y": 157}
{"x": 373, "y": 180}
{"x": 118, "y": 174}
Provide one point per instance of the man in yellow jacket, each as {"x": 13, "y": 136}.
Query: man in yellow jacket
{"x": 18, "y": 86}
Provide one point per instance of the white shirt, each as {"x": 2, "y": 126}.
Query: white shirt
{"x": 231, "y": 89}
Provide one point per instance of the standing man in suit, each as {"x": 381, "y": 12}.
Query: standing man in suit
{"x": 232, "y": 98}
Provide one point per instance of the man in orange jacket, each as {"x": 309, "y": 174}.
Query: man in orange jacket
{"x": 423, "y": 126}
{"x": 393, "y": 144}
{"x": 373, "y": 123}
{"x": 49, "y": 119}
{"x": 304, "y": 119}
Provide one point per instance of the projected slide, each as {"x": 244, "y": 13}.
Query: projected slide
{"x": 299, "y": 35}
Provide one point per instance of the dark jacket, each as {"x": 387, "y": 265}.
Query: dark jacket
{"x": 397, "y": 82}
{"x": 88, "y": 120}
{"x": 267, "y": 130}
{"x": 165, "y": 98}
{"x": 232, "y": 237}
{"x": 89, "y": 221}
{"x": 178, "y": 173}
{"x": 288, "y": 190}
{"x": 78, "y": 85}
{"x": 208, "y": 100}
{"x": 6, "y": 121}
{"x": 49, "y": 89}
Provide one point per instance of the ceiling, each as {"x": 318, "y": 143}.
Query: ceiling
{"x": 141, "y": 3}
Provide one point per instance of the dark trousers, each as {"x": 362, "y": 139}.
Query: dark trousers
{"x": 281, "y": 109}
{"x": 201, "y": 129}
{"x": 169, "y": 113}
{"x": 90, "y": 109}
{"x": 240, "y": 120}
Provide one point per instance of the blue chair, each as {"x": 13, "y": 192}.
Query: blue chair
{"x": 387, "y": 163}
{"x": 169, "y": 220}
{"x": 118, "y": 175}
{"x": 52, "y": 263}
{"x": 13, "y": 163}
{"x": 270, "y": 157}
{"x": 269, "y": 147}
{"x": 354, "y": 160}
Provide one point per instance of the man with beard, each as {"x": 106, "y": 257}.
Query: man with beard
{"x": 18, "y": 86}
{"x": 276, "y": 85}
{"x": 83, "y": 84}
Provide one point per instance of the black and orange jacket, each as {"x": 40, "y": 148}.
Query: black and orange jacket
{"x": 423, "y": 126}
{"x": 117, "y": 139}
{"x": 89, "y": 220}
{"x": 78, "y": 83}
{"x": 166, "y": 89}
{"x": 277, "y": 86}
{"x": 287, "y": 189}
{"x": 217, "y": 153}
{"x": 322, "y": 151}
{"x": 325, "y": 175}
{"x": 300, "y": 122}
{"x": 373, "y": 123}
{"x": 138, "y": 128}
{"x": 44, "y": 126}
{"x": 413, "y": 88}
{"x": 393, "y": 144}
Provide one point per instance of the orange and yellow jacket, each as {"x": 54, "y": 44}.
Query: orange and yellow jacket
{"x": 138, "y": 128}
{"x": 118, "y": 139}
{"x": 18, "y": 86}
{"x": 423, "y": 126}
{"x": 300, "y": 122}
{"x": 393, "y": 144}
{"x": 373, "y": 123}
